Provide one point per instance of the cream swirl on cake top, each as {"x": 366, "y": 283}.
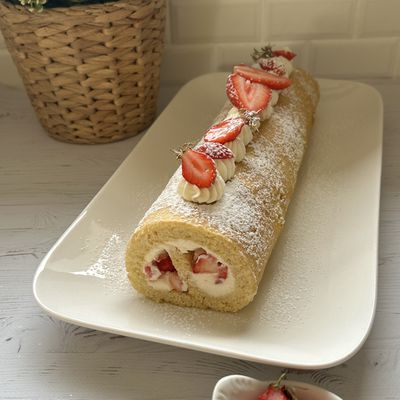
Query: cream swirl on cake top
{"x": 192, "y": 192}
{"x": 223, "y": 157}
{"x": 246, "y": 133}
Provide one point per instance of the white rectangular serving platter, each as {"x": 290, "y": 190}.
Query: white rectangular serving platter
{"x": 316, "y": 302}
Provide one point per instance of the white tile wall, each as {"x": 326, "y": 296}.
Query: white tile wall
{"x": 210, "y": 21}
{"x": 338, "y": 38}
{"x": 357, "y": 57}
{"x": 314, "y": 19}
{"x": 182, "y": 62}
{"x": 228, "y": 55}
{"x": 380, "y": 18}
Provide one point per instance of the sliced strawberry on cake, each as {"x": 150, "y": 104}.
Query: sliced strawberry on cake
{"x": 247, "y": 95}
{"x": 259, "y": 76}
{"x": 284, "y": 52}
{"x": 198, "y": 169}
{"x": 275, "y": 59}
{"x": 232, "y": 133}
{"x": 201, "y": 182}
{"x": 223, "y": 157}
{"x": 273, "y": 51}
{"x": 273, "y": 66}
{"x": 225, "y": 131}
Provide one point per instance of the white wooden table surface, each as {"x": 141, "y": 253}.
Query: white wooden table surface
{"x": 44, "y": 184}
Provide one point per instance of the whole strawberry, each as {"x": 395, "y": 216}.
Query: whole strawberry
{"x": 278, "y": 391}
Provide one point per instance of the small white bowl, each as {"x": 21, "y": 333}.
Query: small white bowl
{"x": 239, "y": 387}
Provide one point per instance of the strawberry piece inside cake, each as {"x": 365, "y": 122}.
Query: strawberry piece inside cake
{"x": 162, "y": 275}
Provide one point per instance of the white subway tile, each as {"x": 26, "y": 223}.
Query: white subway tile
{"x": 183, "y": 63}
{"x": 309, "y": 19}
{"x": 358, "y": 58}
{"x": 380, "y": 18}
{"x": 215, "y": 21}
{"x": 229, "y": 55}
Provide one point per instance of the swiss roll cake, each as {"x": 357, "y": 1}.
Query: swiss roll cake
{"x": 206, "y": 240}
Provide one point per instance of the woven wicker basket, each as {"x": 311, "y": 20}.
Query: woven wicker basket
{"x": 91, "y": 72}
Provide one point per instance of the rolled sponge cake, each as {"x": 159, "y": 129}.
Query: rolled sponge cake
{"x": 241, "y": 229}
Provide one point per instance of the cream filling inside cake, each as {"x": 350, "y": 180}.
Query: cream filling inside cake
{"x": 163, "y": 283}
{"x": 208, "y": 282}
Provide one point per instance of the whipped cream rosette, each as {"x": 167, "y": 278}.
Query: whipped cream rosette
{"x": 200, "y": 181}
{"x": 213, "y": 255}
{"x": 223, "y": 157}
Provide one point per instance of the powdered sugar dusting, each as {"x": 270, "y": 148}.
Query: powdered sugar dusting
{"x": 256, "y": 199}
{"x": 309, "y": 88}
{"x": 109, "y": 264}
{"x": 228, "y": 215}
{"x": 215, "y": 150}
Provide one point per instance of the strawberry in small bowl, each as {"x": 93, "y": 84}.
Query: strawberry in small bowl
{"x": 239, "y": 387}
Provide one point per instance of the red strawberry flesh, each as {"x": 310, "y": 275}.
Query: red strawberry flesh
{"x": 162, "y": 255}
{"x": 148, "y": 271}
{"x": 205, "y": 263}
{"x": 198, "y": 168}
{"x": 175, "y": 281}
{"x": 274, "y": 393}
{"x": 225, "y": 131}
{"x": 259, "y": 76}
{"x": 244, "y": 94}
{"x": 271, "y": 65}
{"x": 289, "y": 55}
{"x": 164, "y": 263}
{"x": 222, "y": 272}
{"x": 215, "y": 150}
